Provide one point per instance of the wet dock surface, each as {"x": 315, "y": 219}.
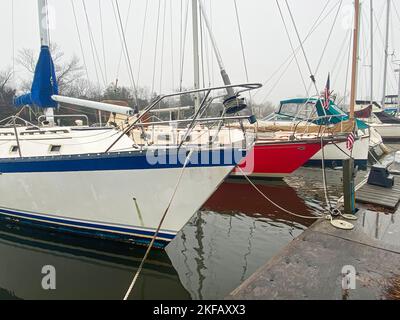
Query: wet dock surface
{"x": 311, "y": 266}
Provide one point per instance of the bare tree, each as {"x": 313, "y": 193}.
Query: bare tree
{"x": 83, "y": 88}
{"x": 6, "y": 92}
{"x": 68, "y": 71}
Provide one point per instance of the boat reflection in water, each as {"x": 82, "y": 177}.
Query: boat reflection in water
{"x": 235, "y": 233}
{"x": 239, "y": 196}
{"x": 85, "y": 268}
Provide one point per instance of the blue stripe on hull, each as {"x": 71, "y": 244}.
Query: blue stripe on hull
{"x": 119, "y": 161}
{"x": 141, "y": 237}
{"x": 362, "y": 164}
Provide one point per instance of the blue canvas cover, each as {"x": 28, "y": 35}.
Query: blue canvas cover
{"x": 44, "y": 84}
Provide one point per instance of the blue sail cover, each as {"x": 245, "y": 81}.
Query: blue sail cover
{"x": 44, "y": 84}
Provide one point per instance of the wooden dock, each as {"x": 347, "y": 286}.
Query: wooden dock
{"x": 388, "y": 198}
{"x": 311, "y": 266}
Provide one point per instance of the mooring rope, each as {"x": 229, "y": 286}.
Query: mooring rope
{"x": 274, "y": 203}
{"x": 158, "y": 228}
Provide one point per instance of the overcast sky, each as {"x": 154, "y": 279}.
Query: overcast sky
{"x": 265, "y": 42}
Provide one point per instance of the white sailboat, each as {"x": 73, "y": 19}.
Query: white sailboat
{"x": 95, "y": 181}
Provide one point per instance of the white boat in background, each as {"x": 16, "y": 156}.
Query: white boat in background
{"x": 382, "y": 121}
{"x": 96, "y": 181}
{"x": 386, "y": 125}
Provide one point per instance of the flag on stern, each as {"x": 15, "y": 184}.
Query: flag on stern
{"x": 350, "y": 141}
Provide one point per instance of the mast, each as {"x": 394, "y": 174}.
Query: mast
{"x": 196, "y": 60}
{"x": 372, "y": 51}
{"x": 386, "y": 52}
{"x": 355, "y": 59}
{"x": 224, "y": 75}
{"x": 43, "y": 23}
{"x": 45, "y": 42}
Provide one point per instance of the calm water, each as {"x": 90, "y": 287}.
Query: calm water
{"x": 235, "y": 233}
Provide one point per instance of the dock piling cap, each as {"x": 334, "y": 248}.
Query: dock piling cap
{"x": 341, "y": 224}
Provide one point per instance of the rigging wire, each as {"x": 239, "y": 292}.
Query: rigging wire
{"x": 180, "y": 40}
{"x": 182, "y": 62}
{"x": 329, "y": 38}
{"x": 241, "y": 41}
{"x": 122, "y": 54}
{"x": 347, "y": 70}
{"x": 162, "y": 46}
{"x": 207, "y": 50}
{"x": 340, "y": 56}
{"x": 390, "y": 81}
{"x": 127, "y": 56}
{"x": 93, "y": 46}
{"x": 13, "y": 37}
{"x": 396, "y": 11}
{"x": 364, "y": 58}
{"x": 80, "y": 40}
{"x": 172, "y": 46}
{"x": 312, "y": 76}
{"x": 202, "y": 48}
{"x": 156, "y": 47}
{"x": 341, "y": 59}
{"x": 242, "y": 47}
{"x": 142, "y": 42}
{"x": 290, "y": 58}
{"x": 212, "y": 55}
{"x": 291, "y": 46}
{"x": 102, "y": 40}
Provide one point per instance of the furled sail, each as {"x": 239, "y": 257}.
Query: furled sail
{"x": 44, "y": 84}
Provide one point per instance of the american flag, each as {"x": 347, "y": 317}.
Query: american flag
{"x": 350, "y": 141}
{"x": 327, "y": 93}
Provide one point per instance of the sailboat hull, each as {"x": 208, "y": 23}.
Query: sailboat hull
{"x": 335, "y": 153}
{"x": 113, "y": 196}
{"x": 388, "y": 131}
{"x": 277, "y": 159}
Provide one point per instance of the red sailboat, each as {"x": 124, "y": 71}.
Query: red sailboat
{"x": 277, "y": 159}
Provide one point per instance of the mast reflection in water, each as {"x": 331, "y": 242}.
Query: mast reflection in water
{"x": 235, "y": 233}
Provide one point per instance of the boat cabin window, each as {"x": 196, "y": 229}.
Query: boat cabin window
{"x": 55, "y": 148}
{"x": 165, "y": 137}
{"x": 299, "y": 110}
{"x": 14, "y": 149}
